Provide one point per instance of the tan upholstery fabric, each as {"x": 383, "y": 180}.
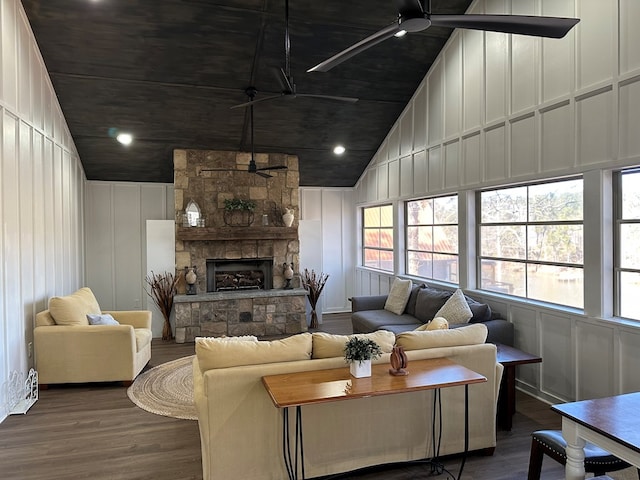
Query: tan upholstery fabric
{"x": 326, "y": 345}
{"x": 92, "y": 353}
{"x": 456, "y": 309}
{"x": 398, "y": 296}
{"x": 213, "y": 353}
{"x": 73, "y": 309}
{"x": 438, "y": 323}
{"x": 236, "y": 416}
{"x": 473, "y": 334}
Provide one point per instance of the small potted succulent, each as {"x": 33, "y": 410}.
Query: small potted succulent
{"x": 358, "y": 353}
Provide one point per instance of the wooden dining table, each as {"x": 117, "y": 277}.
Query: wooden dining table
{"x": 612, "y": 423}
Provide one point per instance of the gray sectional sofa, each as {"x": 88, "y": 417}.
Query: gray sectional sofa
{"x": 368, "y": 314}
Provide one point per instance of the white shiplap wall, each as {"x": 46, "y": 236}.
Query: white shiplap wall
{"x": 41, "y": 195}
{"x": 496, "y": 109}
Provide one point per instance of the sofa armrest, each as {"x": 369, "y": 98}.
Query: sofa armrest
{"x": 370, "y": 302}
{"x": 135, "y": 318}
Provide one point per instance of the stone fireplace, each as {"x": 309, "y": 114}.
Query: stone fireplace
{"x": 240, "y": 268}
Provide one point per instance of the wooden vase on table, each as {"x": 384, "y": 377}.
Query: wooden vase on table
{"x": 398, "y": 361}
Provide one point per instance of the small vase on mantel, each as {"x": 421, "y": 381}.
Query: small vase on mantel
{"x": 288, "y": 217}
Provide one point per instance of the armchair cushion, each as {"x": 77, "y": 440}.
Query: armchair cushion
{"x": 326, "y": 345}
{"x": 73, "y": 309}
{"x": 468, "y": 335}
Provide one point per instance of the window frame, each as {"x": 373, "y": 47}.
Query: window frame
{"x": 526, "y": 261}
{"x": 363, "y": 232}
{"x": 408, "y": 251}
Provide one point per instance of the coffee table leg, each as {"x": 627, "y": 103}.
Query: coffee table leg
{"x": 290, "y": 464}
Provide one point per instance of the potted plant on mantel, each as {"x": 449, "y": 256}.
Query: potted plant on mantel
{"x": 358, "y": 353}
{"x": 238, "y": 212}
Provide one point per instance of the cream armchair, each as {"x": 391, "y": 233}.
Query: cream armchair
{"x": 70, "y": 350}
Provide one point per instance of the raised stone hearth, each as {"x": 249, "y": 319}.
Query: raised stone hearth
{"x": 259, "y": 313}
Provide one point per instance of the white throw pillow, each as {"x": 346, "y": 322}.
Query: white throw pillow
{"x": 398, "y": 296}
{"x": 438, "y": 323}
{"x": 456, "y": 310}
{"x": 102, "y": 319}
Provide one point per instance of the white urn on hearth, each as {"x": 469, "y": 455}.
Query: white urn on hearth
{"x": 288, "y": 217}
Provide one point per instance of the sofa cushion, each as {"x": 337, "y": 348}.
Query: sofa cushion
{"x": 326, "y": 345}
{"x": 429, "y": 301}
{"x": 143, "y": 337}
{"x": 410, "y": 309}
{"x": 438, "y": 323}
{"x": 456, "y": 309}
{"x": 216, "y": 353}
{"x": 369, "y": 320}
{"x": 398, "y": 296}
{"x": 466, "y": 335}
{"x": 102, "y": 319}
{"x": 481, "y": 311}
{"x": 73, "y": 309}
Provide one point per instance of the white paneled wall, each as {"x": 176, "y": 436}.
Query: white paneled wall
{"x": 497, "y": 109}
{"x": 116, "y": 219}
{"x": 41, "y": 195}
{"x": 328, "y": 242}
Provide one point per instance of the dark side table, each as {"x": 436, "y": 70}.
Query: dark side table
{"x": 510, "y": 358}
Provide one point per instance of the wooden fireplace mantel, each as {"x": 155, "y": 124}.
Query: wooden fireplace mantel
{"x": 255, "y": 232}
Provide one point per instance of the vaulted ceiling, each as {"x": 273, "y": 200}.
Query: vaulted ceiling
{"x": 168, "y": 72}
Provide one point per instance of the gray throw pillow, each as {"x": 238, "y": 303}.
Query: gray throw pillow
{"x": 410, "y": 309}
{"x": 429, "y": 301}
{"x": 481, "y": 311}
{"x": 104, "y": 319}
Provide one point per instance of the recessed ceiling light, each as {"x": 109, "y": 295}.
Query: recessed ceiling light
{"x": 339, "y": 149}
{"x": 125, "y": 138}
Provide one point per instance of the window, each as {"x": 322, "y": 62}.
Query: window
{"x": 627, "y": 263}
{"x": 432, "y": 238}
{"x": 531, "y": 242}
{"x": 377, "y": 237}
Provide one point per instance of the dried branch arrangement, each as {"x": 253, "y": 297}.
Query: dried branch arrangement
{"x": 162, "y": 288}
{"x": 314, "y": 284}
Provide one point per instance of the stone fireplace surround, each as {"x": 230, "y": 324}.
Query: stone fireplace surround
{"x": 247, "y": 312}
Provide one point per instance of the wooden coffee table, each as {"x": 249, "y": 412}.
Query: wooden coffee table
{"x": 510, "y": 358}
{"x": 332, "y": 385}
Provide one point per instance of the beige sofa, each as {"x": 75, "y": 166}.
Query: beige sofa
{"x": 241, "y": 429}
{"x": 68, "y": 349}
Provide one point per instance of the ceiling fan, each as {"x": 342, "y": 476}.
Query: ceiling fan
{"x": 413, "y": 17}
{"x": 253, "y": 168}
{"x": 283, "y": 75}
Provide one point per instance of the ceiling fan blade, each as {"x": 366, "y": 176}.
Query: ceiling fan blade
{"x": 275, "y": 167}
{"x": 552, "y": 27}
{"x": 329, "y": 97}
{"x": 380, "y": 36}
{"x": 283, "y": 80}
{"x": 412, "y": 8}
{"x": 253, "y": 102}
{"x": 265, "y": 175}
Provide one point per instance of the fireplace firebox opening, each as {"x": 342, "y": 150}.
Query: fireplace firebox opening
{"x": 239, "y": 274}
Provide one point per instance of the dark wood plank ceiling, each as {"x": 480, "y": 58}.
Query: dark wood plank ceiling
{"x": 168, "y": 71}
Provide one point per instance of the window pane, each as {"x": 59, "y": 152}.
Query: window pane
{"x": 445, "y": 210}
{"x": 372, "y": 238}
{"x": 386, "y": 238}
{"x": 419, "y": 238}
{"x": 420, "y": 264}
{"x": 629, "y": 288}
{"x": 503, "y": 277}
{"x": 386, "y": 216}
{"x": 371, "y": 258}
{"x": 556, "y": 243}
{"x": 504, "y": 206}
{"x": 386, "y": 261}
{"x": 557, "y": 201}
{"x": 445, "y": 267}
{"x": 420, "y": 212}
{"x": 372, "y": 217}
{"x": 631, "y": 196}
{"x": 445, "y": 239}
{"x": 555, "y": 284}
{"x": 630, "y": 245}
{"x": 506, "y": 242}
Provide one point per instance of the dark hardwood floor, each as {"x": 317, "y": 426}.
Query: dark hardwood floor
{"x": 96, "y": 432}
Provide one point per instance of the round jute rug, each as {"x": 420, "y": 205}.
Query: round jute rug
{"x": 166, "y": 390}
